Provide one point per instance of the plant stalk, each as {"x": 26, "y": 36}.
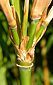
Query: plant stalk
{"x": 25, "y": 18}
{"x": 15, "y": 35}
{"x": 25, "y": 76}
{"x": 31, "y": 33}
{"x": 16, "y": 4}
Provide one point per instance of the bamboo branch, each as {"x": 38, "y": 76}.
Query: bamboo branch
{"x": 25, "y": 18}
{"x": 16, "y": 4}
{"x": 49, "y": 17}
{"x": 43, "y": 27}
{"x": 9, "y": 13}
{"x": 38, "y": 8}
{"x": 31, "y": 32}
{"x": 35, "y": 14}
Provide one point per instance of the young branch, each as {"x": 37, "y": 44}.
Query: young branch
{"x": 9, "y": 13}
{"x": 25, "y": 18}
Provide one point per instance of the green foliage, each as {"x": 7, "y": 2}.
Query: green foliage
{"x": 8, "y": 70}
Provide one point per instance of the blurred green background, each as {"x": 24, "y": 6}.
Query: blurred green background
{"x": 9, "y": 74}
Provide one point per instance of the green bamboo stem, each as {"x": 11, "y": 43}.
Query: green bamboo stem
{"x": 16, "y": 4}
{"x": 31, "y": 32}
{"x": 39, "y": 34}
{"x": 25, "y": 18}
{"x": 25, "y": 76}
{"x": 25, "y": 70}
{"x": 15, "y": 35}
